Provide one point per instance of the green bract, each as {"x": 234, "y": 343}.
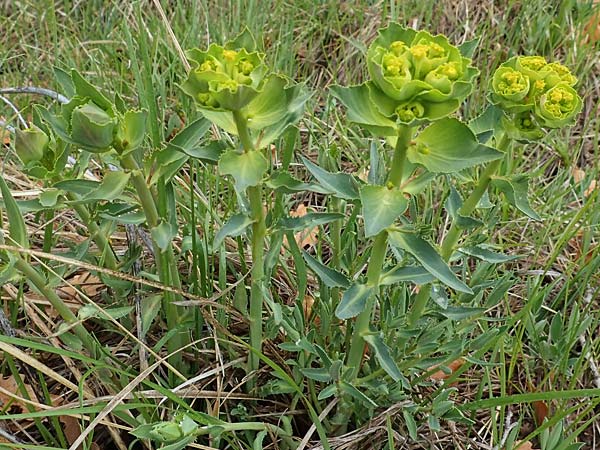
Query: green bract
{"x": 30, "y": 144}
{"x": 538, "y": 93}
{"x": 415, "y": 78}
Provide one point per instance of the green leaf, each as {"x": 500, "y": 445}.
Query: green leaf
{"x": 411, "y": 424}
{"x": 86, "y": 90}
{"x": 381, "y": 207}
{"x": 382, "y": 353}
{"x": 321, "y": 374}
{"x": 16, "y": 225}
{"x": 363, "y": 111}
{"x": 487, "y": 124}
{"x": 353, "y": 301}
{"x": 449, "y": 145}
{"x": 309, "y": 220}
{"x": 424, "y": 252}
{"x": 283, "y": 181}
{"x": 190, "y": 137}
{"x": 515, "y": 189}
{"x": 461, "y": 312}
{"x": 347, "y": 388}
{"x": 49, "y": 197}
{"x": 453, "y": 204}
{"x": 78, "y": 186}
{"x": 485, "y": 254}
{"x": 163, "y": 235}
{"x": 65, "y": 82}
{"x": 167, "y": 164}
{"x": 327, "y": 392}
{"x": 467, "y": 49}
{"x": 330, "y": 277}
{"x": 30, "y": 144}
{"x": 92, "y": 128}
{"x": 414, "y": 274}
{"x": 342, "y": 185}
{"x": 210, "y": 152}
{"x": 235, "y": 226}
{"x": 247, "y": 169}
{"x": 109, "y": 189}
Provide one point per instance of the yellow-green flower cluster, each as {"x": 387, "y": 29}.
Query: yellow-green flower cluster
{"x": 416, "y": 76}
{"x": 540, "y": 94}
{"x": 224, "y": 78}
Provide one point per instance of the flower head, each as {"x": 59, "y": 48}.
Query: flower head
{"x": 540, "y": 94}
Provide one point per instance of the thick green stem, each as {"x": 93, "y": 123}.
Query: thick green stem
{"x": 57, "y": 303}
{"x": 259, "y": 231}
{"x": 165, "y": 261}
{"x": 361, "y": 326}
{"x": 452, "y": 237}
{"x": 99, "y": 238}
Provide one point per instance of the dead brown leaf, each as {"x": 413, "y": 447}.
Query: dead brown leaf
{"x": 305, "y": 238}
{"x": 453, "y": 366}
{"x": 9, "y": 386}
{"x": 578, "y": 174}
{"x": 85, "y": 283}
{"x": 524, "y": 446}
{"x": 591, "y": 31}
{"x": 72, "y": 431}
{"x": 540, "y": 411}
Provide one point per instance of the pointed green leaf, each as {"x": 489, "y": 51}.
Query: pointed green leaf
{"x": 247, "y": 169}
{"x": 381, "y": 207}
{"x": 413, "y": 274}
{"x": 109, "y": 189}
{"x": 86, "y": 90}
{"x": 363, "y": 111}
{"x": 320, "y": 374}
{"x": 330, "y": 277}
{"x": 515, "y": 189}
{"x": 309, "y": 220}
{"x": 210, "y": 152}
{"x": 340, "y": 184}
{"x": 191, "y": 136}
{"x": 487, "y": 124}
{"x": 286, "y": 183}
{"x": 467, "y": 49}
{"x": 353, "y": 301}
{"x": 49, "y": 197}
{"x": 235, "y": 226}
{"x": 347, "y": 388}
{"x": 65, "y": 82}
{"x": 16, "y": 225}
{"x": 424, "y": 252}
{"x": 453, "y": 204}
{"x": 448, "y": 145}
{"x": 382, "y": 353}
{"x": 485, "y": 254}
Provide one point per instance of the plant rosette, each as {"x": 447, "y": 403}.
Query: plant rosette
{"x": 234, "y": 79}
{"x": 415, "y": 78}
{"x": 535, "y": 94}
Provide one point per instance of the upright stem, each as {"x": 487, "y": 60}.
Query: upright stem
{"x": 453, "y": 235}
{"x": 361, "y": 326}
{"x": 259, "y": 231}
{"x": 165, "y": 261}
{"x": 110, "y": 260}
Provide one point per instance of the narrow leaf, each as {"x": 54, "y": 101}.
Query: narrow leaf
{"x": 515, "y": 189}
{"x": 330, "y": 277}
{"x": 487, "y": 255}
{"x": 382, "y": 353}
{"x": 424, "y": 252}
{"x": 235, "y": 226}
{"x": 353, "y": 301}
{"x": 16, "y": 225}
{"x": 341, "y": 185}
